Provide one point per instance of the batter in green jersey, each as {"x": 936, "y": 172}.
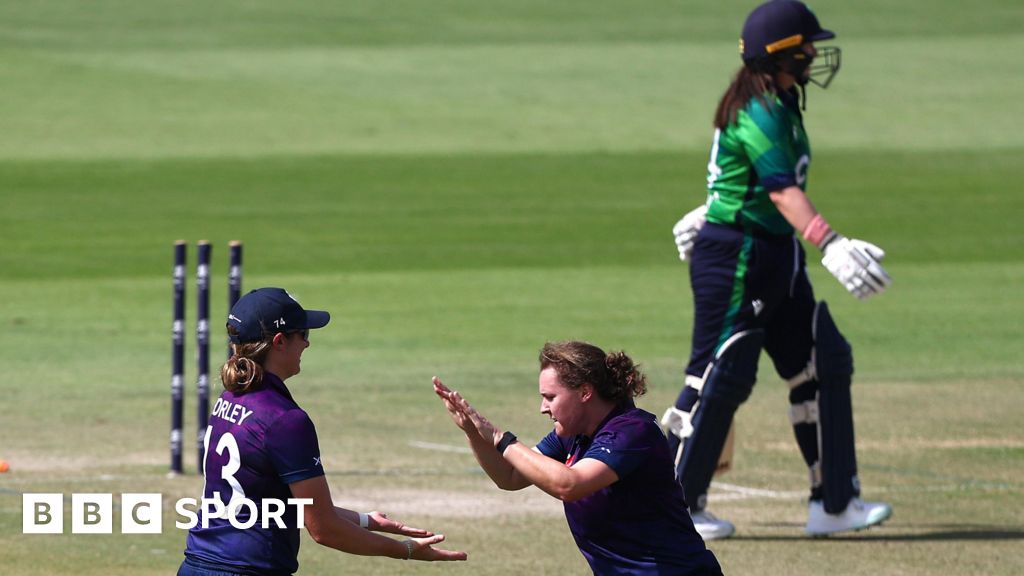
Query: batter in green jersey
{"x": 766, "y": 149}
{"x": 751, "y": 291}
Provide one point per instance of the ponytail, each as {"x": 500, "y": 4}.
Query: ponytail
{"x": 749, "y": 83}
{"x": 629, "y": 381}
{"x": 244, "y": 370}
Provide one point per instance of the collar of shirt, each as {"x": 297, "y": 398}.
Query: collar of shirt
{"x": 272, "y": 382}
{"x": 582, "y": 442}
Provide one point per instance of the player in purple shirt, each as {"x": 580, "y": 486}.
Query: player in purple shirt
{"x": 606, "y": 459}
{"x": 262, "y": 455}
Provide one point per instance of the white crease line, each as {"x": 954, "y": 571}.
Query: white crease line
{"x": 440, "y": 447}
{"x": 735, "y": 492}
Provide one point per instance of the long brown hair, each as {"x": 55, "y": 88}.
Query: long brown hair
{"x": 615, "y": 377}
{"x": 244, "y": 370}
{"x": 749, "y": 83}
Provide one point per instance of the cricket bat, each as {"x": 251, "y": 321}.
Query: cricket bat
{"x": 725, "y": 459}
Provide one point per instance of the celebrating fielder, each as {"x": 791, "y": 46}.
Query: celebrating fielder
{"x": 261, "y": 447}
{"x": 750, "y": 286}
{"x": 606, "y": 460}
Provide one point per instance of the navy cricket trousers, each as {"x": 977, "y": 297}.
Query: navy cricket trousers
{"x": 741, "y": 281}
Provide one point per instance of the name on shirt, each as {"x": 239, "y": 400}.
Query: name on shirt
{"x": 234, "y": 413}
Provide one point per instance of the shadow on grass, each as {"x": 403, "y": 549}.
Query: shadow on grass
{"x": 921, "y": 533}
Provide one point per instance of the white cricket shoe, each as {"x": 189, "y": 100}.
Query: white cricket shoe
{"x": 857, "y": 516}
{"x": 711, "y": 528}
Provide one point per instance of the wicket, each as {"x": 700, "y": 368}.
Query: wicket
{"x": 202, "y": 344}
{"x": 177, "y": 355}
{"x": 204, "y": 252}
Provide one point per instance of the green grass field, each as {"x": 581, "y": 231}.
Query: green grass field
{"x": 458, "y": 182}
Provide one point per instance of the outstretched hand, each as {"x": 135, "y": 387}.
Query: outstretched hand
{"x": 465, "y": 416}
{"x": 457, "y": 415}
{"x": 379, "y": 522}
{"x": 423, "y": 550}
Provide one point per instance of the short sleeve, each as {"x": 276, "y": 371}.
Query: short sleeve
{"x": 552, "y": 447}
{"x": 293, "y": 447}
{"x": 623, "y": 448}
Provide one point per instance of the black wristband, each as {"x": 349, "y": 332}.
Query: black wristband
{"x": 828, "y": 239}
{"x": 507, "y": 439}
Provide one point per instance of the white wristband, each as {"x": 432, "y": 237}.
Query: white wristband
{"x": 364, "y": 520}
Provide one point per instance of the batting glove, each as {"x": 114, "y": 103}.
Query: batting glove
{"x": 677, "y": 422}
{"x": 857, "y": 266}
{"x": 686, "y": 231}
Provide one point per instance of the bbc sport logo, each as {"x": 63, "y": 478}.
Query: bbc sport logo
{"x": 142, "y": 513}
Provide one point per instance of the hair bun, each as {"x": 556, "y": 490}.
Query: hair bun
{"x": 626, "y": 374}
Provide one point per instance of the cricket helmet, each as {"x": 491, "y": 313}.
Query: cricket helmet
{"x": 772, "y": 40}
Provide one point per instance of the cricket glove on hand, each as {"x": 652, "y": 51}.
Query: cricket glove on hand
{"x": 686, "y": 231}
{"x": 857, "y": 266}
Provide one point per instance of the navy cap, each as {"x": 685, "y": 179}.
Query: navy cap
{"x": 777, "y": 25}
{"x": 269, "y": 311}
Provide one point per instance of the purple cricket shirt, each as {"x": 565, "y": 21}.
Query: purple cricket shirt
{"x": 257, "y": 444}
{"x": 640, "y": 524}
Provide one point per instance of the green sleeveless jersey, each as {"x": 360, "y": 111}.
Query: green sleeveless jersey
{"x": 766, "y": 149}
